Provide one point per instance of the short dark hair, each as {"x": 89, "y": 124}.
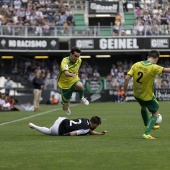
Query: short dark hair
{"x": 95, "y": 120}
{"x": 75, "y": 49}
{"x": 154, "y": 54}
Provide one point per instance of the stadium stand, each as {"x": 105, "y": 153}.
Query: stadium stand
{"x": 80, "y": 26}
{"x": 129, "y": 20}
{"x": 105, "y": 31}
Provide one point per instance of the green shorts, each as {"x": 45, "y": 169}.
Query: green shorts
{"x": 152, "y": 105}
{"x": 67, "y": 93}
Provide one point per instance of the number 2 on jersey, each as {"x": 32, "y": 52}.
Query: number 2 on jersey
{"x": 73, "y": 122}
{"x": 140, "y": 76}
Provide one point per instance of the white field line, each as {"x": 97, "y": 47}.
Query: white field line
{"x": 39, "y": 114}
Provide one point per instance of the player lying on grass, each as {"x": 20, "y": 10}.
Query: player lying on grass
{"x": 71, "y": 127}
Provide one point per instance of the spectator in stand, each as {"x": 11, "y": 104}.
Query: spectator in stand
{"x": 22, "y": 13}
{"x": 38, "y": 86}
{"x": 138, "y": 20}
{"x": 114, "y": 82}
{"x": 157, "y": 83}
{"x": 154, "y": 28}
{"x": 38, "y": 30}
{"x": 119, "y": 94}
{"x": 148, "y": 29}
{"x": 138, "y": 12}
{"x": 46, "y": 29}
{"x": 28, "y": 13}
{"x": 49, "y": 5}
{"x": 116, "y": 29}
{"x": 10, "y": 100}
{"x": 157, "y": 16}
{"x": 42, "y": 3}
{"x": 119, "y": 63}
{"x": 134, "y": 29}
{"x": 140, "y": 29}
{"x": 53, "y": 100}
{"x": 50, "y": 14}
{"x": 89, "y": 69}
{"x": 120, "y": 72}
{"x": 39, "y": 15}
{"x": 15, "y": 19}
{"x": 2, "y": 100}
{"x": 17, "y": 4}
{"x": 36, "y": 2}
{"x": 84, "y": 78}
{"x": 125, "y": 66}
{"x": 8, "y": 85}
{"x": 125, "y": 8}
{"x": 145, "y": 6}
{"x": 146, "y": 17}
{"x": 2, "y": 17}
{"x": 108, "y": 81}
{"x": 32, "y": 19}
{"x": 96, "y": 75}
{"x": 6, "y": 105}
{"x": 164, "y": 81}
{"x": 168, "y": 16}
{"x": 118, "y": 19}
{"x": 24, "y": 3}
{"x": 65, "y": 27}
{"x": 113, "y": 70}
{"x": 137, "y": 3}
{"x": 31, "y": 77}
{"x": 70, "y": 19}
{"x": 121, "y": 80}
{"x": 5, "y": 6}
{"x": 9, "y": 16}
{"x": 63, "y": 18}
{"x": 157, "y": 3}
{"x": 164, "y": 18}
{"x": 122, "y": 30}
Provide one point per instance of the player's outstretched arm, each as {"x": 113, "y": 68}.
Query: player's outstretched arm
{"x": 97, "y": 133}
{"x": 166, "y": 70}
{"x": 74, "y": 133}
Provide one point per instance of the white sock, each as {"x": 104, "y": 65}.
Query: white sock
{"x": 43, "y": 129}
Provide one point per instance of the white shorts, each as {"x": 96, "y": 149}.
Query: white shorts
{"x": 55, "y": 127}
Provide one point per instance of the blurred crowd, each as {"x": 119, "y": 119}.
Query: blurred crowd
{"x": 40, "y": 14}
{"x": 7, "y": 102}
{"x": 113, "y": 79}
{"x": 152, "y": 18}
{"x": 88, "y": 71}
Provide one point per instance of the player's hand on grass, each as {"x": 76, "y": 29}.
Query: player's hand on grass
{"x": 103, "y": 132}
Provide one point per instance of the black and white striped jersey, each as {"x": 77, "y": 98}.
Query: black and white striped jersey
{"x": 80, "y": 125}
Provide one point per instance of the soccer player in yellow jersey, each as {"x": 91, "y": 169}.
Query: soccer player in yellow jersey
{"x": 68, "y": 79}
{"x": 143, "y": 74}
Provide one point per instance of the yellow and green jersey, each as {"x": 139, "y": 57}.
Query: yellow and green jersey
{"x": 65, "y": 82}
{"x": 143, "y": 74}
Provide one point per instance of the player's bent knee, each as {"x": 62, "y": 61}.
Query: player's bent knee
{"x": 78, "y": 86}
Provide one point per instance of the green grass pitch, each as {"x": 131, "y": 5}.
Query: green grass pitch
{"x": 122, "y": 148}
